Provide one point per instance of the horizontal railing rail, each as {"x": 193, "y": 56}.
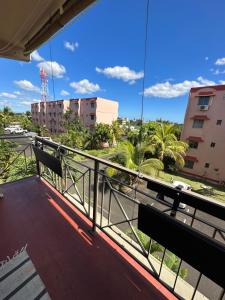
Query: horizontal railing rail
{"x": 190, "y": 198}
{"x": 112, "y": 205}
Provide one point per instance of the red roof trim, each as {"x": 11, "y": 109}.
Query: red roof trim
{"x": 200, "y": 117}
{"x": 205, "y": 94}
{"x": 193, "y": 158}
{"x": 195, "y": 138}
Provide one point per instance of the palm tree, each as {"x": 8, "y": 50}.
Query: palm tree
{"x": 133, "y": 157}
{"x": 164, "y": 144}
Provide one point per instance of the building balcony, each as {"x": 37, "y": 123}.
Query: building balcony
{"x": 90, "y": 236}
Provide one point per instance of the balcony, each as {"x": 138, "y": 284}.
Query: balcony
{"x": 88, "y": 235}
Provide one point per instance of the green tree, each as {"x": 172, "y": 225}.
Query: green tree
{"x": 68, "y": 118}
{"x": 77, "y": 136}
{"x": 102, "y": 134}
{"x": 133, "y": 157}
{"x": 163, "y": 144}
{"x": 6, "y": 116}
{"x": 117, "y": 132}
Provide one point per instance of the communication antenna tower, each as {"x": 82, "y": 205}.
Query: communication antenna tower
{"x": 44, "y": 85}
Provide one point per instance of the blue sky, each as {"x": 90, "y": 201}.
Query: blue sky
{"x": 102, "y": 53}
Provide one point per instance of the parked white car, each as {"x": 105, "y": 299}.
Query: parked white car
{"x": 181, "y": 186}
{"x": 15, "y": 130}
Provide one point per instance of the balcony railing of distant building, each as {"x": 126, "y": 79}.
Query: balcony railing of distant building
{"x": 177, "y": 236}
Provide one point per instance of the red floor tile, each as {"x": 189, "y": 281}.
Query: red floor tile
{"x": 72, "y": 263}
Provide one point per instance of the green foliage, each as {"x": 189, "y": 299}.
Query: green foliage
{"x": 6, "y": 153}
{"x": 170, "y": 259}
{"x": 76, "y": 136}
{"x": 67, "y": 117}
{"x": 116, "y": 131}
{"x": 19, "y": 169}
{"x": 133, "y": 158}
{"x": 6, "y": 116}
{"x": 163, "y": 144}
{"x": 102, "y": 134}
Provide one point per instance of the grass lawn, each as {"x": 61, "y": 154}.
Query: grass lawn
{"x": 101, "y": 153}
{"x": 218, "y": 192}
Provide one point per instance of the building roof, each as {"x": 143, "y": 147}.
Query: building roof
{"x": 220, "y": 87}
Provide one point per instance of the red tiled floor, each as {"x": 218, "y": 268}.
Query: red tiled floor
{"x": 72, "y": 263}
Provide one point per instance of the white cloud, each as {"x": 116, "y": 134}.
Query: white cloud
{"x": 5, "y": 102}
{"x": 220, "y": 61}
{"x": 71, "y": 46}
{"x": 64, "y": 93}
{"x": 8, "y": 95}
{"x": 27, "y": 85}
{"x": 17, "y": 93}
{"x": 124, "y": 73}
{"x": 53, "y": 68}
{"x": 26, "y": 102}
{"x": 218, "y": 72}
{"x": 85, "y": 87}
{"x": 206, "y": 58}
{"x": 36, "y": 56}
{"x": 168, "y": 90}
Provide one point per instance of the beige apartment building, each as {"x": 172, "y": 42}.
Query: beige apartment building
{"x": 89, "y": 110}
{"x": 204, "y": 130}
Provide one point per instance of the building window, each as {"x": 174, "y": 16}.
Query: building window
{"x": 218, "y": 122}
{"x": 92, "y": 117}
{"x": 92, "y": 104}
{"x": 213, "y": 145}
{"x": 198, "y": 123}
{"x": 193, "y": 144}
{"x": 216, "y": 170}
{"x": 206, "y": 165}
{"x": 203, "y": 100}
{"x": 189, "y": 164}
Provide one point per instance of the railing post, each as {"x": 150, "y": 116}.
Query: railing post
{"x": 95, "y": 199}
{"x": 175, "y": 206}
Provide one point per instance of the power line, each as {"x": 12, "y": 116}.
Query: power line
{"x": 52, "y": 77}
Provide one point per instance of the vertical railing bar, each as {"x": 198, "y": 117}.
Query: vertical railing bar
{"x": 164, "y": 252}
{"x": 177, "y": 275}
{"x": 110, "y": 204}
{"x": 150, "y": 246}
{"x": 222, "y": 294}
{"x": 83, "y": 189}
{"x": 102, "y": 199}
{"x": 89, "y": 194}
{"x": 95, "y": 198}
{"x": 193, "y": 217}
{"x": 214, "y": 233}
{"x": 196, "y": 287}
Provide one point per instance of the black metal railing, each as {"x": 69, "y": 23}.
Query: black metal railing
{"x": 16, "y": 158}
{"x": 112, "y": 204}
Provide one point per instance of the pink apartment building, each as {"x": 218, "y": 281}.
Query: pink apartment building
{"x": 204, "y": 130}
{"x": 89, "y": 110}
